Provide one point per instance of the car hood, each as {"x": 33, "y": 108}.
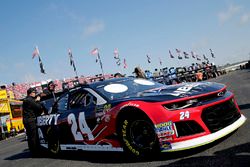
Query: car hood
{"x": 178, "y": 91}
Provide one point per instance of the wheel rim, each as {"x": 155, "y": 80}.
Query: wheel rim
{"x": 54, "y": 147}
{"x": 142, "y": 134}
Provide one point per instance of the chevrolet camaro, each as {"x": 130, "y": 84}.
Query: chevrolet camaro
{"x": 138, "y": 116}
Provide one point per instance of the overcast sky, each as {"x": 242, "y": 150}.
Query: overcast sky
{"x": 135, "y": 27}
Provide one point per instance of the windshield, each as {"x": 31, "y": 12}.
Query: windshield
{"x": 129, "y": 87}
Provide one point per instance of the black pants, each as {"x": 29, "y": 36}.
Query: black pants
{"x": 31, "y": 131}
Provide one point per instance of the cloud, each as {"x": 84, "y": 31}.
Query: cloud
{"x": 245, "y": 18}
{"x": 232, "y": 10}
{"x": 63, "y": 12}
{"x": 93, "y": 28}
{"x": 203, "y": 43}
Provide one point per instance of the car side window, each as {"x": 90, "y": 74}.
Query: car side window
{"x": 80, "y": 99}
{"x": 62, "y": 103}
{"x": 89, "y": 99}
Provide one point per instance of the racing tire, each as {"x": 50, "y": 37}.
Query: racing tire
{"x": 53, "y": 142}
{"x": 138, "y": 137}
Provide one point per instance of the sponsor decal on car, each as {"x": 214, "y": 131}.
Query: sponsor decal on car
{"x": 90, "y": 147}
{"x": 165, "y": 145}
{"x": 40, "y": 136}
{"x": 102, "y": 111}
{"x": 184, "y": 89}
{"x": 47, "y": 119}
{"x": 164, "y": 129}
{"x": 127, "y": 143}
{"x": 166, "y": 138}
{"x": 129, "y": 104}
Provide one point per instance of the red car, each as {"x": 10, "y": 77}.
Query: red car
{"x": 139, "y": 116}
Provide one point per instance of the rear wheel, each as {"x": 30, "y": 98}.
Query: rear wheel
{"x": 138, "y": 137}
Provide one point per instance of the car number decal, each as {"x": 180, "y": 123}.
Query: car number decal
{"x": 184, "y": 115}
{"x": 184, "y": 89}
{"x": 84, "y": 129}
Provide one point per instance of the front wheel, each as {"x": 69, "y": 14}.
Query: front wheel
{"x": 53, "y": 142}
{"x": 138, "y": 137}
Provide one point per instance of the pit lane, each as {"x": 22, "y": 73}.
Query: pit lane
{"x": 233, "y": 150}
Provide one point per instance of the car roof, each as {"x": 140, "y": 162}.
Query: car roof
{"x": 107, "y": 82}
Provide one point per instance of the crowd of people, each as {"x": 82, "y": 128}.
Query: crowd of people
{"x": 172, "y": 75}
{"x": 20, "y": 89}
{"x": 193, "y": 73}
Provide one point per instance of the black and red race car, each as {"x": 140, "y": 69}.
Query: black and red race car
{"x": 139, "y": 116}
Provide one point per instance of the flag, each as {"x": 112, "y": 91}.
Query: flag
{"x": 72, "y": 63}
{"x": 35, "y": 52}
{"x": 186, "y": 55}
{"x": 212, "y": 54}
{"x": 118, "y": 62}
{"x": 70, "y": 57}
{"x": 205, "y": 58}
{"x": 98, "y": 58}
{"x": 95, "y": 51}
{"x": 74, "y": 67}
{"x": 171, "y": 55}
{"x": 193, "y": 54}
{"x": 116, "y": 53}
{"x": 197, "y": 57}
{"x": 160, "y": 61}
{"x": 179, "y": 53}
{"x": 41, "y": 65}
{"x": 125, "y": 63}
{"x": 149, "y": 59}
{"x": 116, "y": 56}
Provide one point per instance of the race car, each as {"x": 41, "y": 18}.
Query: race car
{"x": 138, "y": 116}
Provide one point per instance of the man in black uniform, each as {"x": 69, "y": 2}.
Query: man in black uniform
{"x": 50, "y": 91}
{"x": 31, "y": 109}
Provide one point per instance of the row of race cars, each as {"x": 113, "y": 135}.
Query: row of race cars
{"x": 181, "y": 74}
{"x": 140, "y": 117}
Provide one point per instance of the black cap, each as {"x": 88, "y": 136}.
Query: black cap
{"x": 51, "y": 83}
{"x": 30, "y": 90}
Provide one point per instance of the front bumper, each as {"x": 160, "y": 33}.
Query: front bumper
{"x": 199, "y": 141}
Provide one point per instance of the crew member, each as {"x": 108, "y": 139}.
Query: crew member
{"x": 31, "y": 109}
{"x": 139, "y": 73}
{"x": 118, "y": 75}
{"x": 199, "y": 76}
{"x": 50, "y": 91}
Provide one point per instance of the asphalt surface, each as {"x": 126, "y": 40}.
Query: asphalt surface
{"x": 233, "y": 150}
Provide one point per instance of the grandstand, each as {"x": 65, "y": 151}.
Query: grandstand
{"x": 20, "y": 90}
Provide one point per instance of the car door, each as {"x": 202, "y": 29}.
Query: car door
{"x": 81, "y": 116}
